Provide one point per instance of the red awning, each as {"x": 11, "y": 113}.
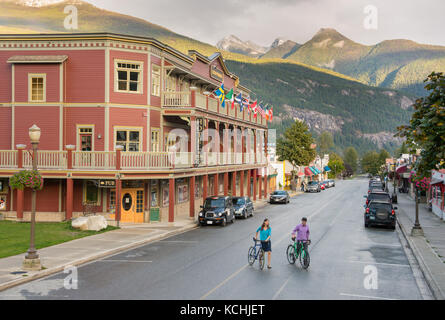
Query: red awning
{"x": 300, "y": 174}
{"x": 402, "y": 169}
{"x": 308, "y": 172}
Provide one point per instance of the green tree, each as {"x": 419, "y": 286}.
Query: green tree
{"x": 336, "y": 164}
{"x": 371, "y": 162}
{"x": 402, "y": 150}
{"x": 351, "y": 158}
{"x": 325, "y": 142}
{"x": 295, "y": 146}
{"x": 426, "y": 130}
{"x": 383, "y": 155}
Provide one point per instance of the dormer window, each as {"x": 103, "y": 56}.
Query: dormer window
{"x": 37, "y": 88}
{"x": 128, "y": 77}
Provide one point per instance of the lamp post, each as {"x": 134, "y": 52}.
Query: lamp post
{"x": 32, "y": 261}
{"x": 417, "y": 229}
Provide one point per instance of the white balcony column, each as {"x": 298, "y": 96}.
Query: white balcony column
{"x": 193, "y": 139}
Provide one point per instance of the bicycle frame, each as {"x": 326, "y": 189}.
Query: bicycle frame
{"x": 302, "y": 250}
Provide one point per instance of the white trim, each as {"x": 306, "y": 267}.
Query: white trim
{"x": 86, "y": 126}
{"x": 141, "y": 76}
{"x": 13, "y": 109}
{"x": 61, "y": 91}
{"x": 129, "y": 128}
{"x": 30, "y": 77}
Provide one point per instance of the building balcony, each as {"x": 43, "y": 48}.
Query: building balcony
{"x": 195, "y": 100}
{"x": 125, "y": 161}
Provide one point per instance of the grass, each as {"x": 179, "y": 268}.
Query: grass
{"x": 14, "y": 236}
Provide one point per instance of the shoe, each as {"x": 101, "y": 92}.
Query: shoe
{"x": 269, "y": 267}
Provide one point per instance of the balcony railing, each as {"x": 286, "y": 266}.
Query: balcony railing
{"x": 103, "y": 160}
{"x": 177, "y": 99}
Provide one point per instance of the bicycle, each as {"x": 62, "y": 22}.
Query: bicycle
{"x": 256, "y": 252}
{"x": 293, "y": 254}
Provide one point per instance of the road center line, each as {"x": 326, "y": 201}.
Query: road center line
{"x": 281, "y": 289}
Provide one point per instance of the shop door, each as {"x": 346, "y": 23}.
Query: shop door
{"x": 132, "y": 205}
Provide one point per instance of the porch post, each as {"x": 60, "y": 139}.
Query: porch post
{"x": 171, "y": 200}
{"x": 216, "y": 185}
{"x": 249, "y": 193}
{"x": 118, "y": 200}
{"x": 69, "y": 199}
{"x": 205, "y": 179}
{"x": 254, "y": 183}
{"x": 193, "y": 138}
{"x": 234, "y": 184}
{"x": 192, "y": 196}
{"x": 260, "y": 190}
{"x": 241, "y": 183}
{"x": 226, "y": 184}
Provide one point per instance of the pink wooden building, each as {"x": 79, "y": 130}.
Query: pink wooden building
{"x": 110, "y": 108}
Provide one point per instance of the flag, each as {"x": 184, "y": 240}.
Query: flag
{"x": 219, "y": 93}
{"x": 254, "y": 108}
{"x": 239, "y": 100}
{"x": 246, "y": 104}
{"x": 271, "y": 114}
{"x": 231, "y": 96}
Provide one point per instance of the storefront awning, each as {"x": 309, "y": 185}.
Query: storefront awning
{"x": 308, "y": 172}
{"x": 327, "y": 169}
{"x": 402, "y": 169}
{"x": 301, "y": 174}
{"x": 435, "y": 181}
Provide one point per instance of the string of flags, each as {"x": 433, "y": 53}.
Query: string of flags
{"x": 253, "y": 107}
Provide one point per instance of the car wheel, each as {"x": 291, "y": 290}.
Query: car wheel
{"x": 245, "y": 214}
{"x": 224, "y": 222}
{"x": 251, "y": 213}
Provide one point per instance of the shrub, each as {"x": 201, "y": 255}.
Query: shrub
{"x": 26, "y": 179}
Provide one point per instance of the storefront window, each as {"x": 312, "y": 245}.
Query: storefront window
{"x": 91, "y": 193}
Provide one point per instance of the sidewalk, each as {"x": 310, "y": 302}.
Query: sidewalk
{"x": 429, "y": 249}
{"x": 73, "y": 253}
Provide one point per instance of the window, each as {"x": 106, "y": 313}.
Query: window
{"x": 169, "y": 142}
{"x": 130, "y": 139}
{"x": 85, "y": 138}
{"x": 170, "y": 84}
{"x": 113, "y": 201}
{"x": 37, "y": 88}
{"x": 155, "y": 140}
{"x": 91, "y": 193}
{"x": 156, "y": 81}
{"x": 129, "y": 76}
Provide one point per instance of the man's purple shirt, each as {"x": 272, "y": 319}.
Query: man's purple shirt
{"x": 302, "y": 232}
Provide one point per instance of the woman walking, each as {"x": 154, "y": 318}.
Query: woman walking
{"x": 265, "y": 234}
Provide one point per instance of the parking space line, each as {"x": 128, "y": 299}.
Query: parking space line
{"x": 381, "y": 263}
{"x": 367, "y": 297}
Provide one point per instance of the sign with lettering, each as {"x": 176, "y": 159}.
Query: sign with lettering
{"x": 216, "y": 74}
{"x": 107, "y": 183}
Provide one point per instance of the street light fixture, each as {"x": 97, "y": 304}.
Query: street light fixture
{"x": 32, "y": 261}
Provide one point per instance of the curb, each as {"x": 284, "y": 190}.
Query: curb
{"x": 51, "y": 271}
{"x": 434, "y": 288}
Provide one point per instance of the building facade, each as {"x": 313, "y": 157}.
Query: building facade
{"x": 129, "y": 128}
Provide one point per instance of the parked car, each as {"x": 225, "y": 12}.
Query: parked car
{"x": 243, "y": 207}
{"x": 313, "y": 186}
{"x": 378, "y": 195}
{"x": 380, "y": 213}
{"x": 331, "y": 183}
{"x": 279, "y": 196}
{"x": 375, "y": 186}
{"x": 217, "y": 210}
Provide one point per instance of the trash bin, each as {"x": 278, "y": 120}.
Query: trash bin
{"x": 154, "y": 214}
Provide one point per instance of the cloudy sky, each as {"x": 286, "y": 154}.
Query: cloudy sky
{"x": 264, "y": 20}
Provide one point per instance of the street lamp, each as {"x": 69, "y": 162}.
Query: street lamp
{"x": 417, "y": 229}
{"x": 32, "y": 261}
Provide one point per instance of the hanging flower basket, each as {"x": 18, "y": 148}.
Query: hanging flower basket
{"x": 421, "y": 183}
{"x": 26, "y": 179}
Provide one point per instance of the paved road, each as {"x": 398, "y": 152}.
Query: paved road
{"x": 211, "y": 262}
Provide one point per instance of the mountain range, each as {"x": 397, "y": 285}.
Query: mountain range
{"x": 295, "y": 78}
{"x": 396, "y": 64}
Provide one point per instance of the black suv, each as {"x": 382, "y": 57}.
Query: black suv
{"x": 217, "y": 210}
{"x": 378, "y": 195}
{"x": 380, "y": 213}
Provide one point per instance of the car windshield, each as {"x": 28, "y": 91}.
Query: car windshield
{"x": 214, "y": 203}
{"x": 384, "y": 206}
{"x": 378, "y": 196}
{"x": 238, "y": 201}
{"x": 279, "y": 193}
{"x": 312, "y": 183}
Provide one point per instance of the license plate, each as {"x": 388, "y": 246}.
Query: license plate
{"x": 209, "y": 222}
{"x": 372, "y": 217}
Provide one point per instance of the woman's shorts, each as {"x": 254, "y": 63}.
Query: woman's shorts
{"x": 267, "y": 246}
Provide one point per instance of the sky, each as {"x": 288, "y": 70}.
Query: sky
{"x": 262, "y": 21}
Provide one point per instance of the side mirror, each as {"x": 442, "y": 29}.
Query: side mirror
{"x": 202, "y": 207}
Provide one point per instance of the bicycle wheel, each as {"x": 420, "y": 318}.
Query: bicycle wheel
{"x": 305, "y": 259}
{"x": 261, "y": 258}
{"x": 290, "y": 253}
{"x": 251, "y": 256}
